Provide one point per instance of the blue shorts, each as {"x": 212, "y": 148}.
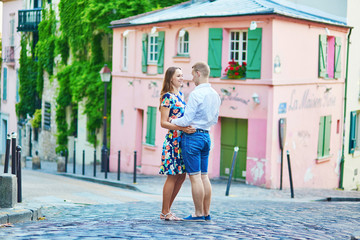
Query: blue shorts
{"x": 195, "y": 149}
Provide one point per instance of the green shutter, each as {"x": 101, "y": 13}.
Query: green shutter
{"x": 337, "y": 67}
{"x": 352, "y": 133}
{"x": 322, "y": 55}
{"x": 253, "y": 68}
{"x": 215, "y": 51}
{"x": 321, "y": 137}
{"x": 144, "y": 52}
{"x": 5, "y": 84}
{"x": 161, "y": 43}
{"x": 148, "y": 124}
{"x": 151, "y": 125}
{"x": 327, "y": 136}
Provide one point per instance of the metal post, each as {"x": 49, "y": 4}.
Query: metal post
{"x": 66, "y": 160}
{"x": 236, "y": 149}
{"x": 281, "y": 168}
{"x": 83, "y": 163}
{"x": 104, "y": 147}
{"x": 18, "y": 173}
{"x": 94, "y": 163}
{"x": 13, "y": 153}
{"x": 290, "y": 175}
{"x": 118, "y": 173}
{"x": 134, "y": 166}
{"x": 74, "y": 162}
{"x": 7, "y": 154}
{"x": 106, "y": 163}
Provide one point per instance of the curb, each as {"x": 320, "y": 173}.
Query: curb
{"x": 19, "y": 214}
{"x": 101, "y": 181}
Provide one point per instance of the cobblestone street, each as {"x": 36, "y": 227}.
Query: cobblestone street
{"x": 232, "y": 219}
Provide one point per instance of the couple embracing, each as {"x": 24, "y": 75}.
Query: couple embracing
{"x": 187, "y": 144}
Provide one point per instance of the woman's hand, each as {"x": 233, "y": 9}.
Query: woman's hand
{"x": 188, "y": 129}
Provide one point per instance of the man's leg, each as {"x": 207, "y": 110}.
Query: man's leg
{"x": 197, "y": 190}
{"x": 207, "y": 193}
{"x": 204, "y": 177}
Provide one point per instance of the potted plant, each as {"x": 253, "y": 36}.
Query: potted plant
{"x": 235, "y": 70}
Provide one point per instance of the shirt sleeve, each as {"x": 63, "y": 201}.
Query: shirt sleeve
{"x": 166, "y": 100}
{"x": 189, "y": 114}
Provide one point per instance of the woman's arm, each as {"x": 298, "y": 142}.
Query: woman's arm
{"x": 164, "y": 122}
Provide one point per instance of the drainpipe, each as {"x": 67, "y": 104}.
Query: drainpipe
{"x": 345, "y": 101}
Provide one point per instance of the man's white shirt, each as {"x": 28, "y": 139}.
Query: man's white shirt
{"x": 202, "y": 108}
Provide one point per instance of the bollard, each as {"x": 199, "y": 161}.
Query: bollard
{"x": 236, "y": 149}
{"x": 66, "y": 160}
{"x": 13, "y": 154}
{"x": 134, "y": 166}
{"x": 94, "y": 163}
{"x": 105, "y": 162}
{"x": 83, "y": 163}
{"x": 7, "y": 154}
{"x": 74, "y": 162}
{"x": 8, "y": 190}
{"x": 118, "y": 173}
{"x": 18, "y": 174}
{"x": 290, "y": 175}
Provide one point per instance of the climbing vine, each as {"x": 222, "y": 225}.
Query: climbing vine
{"x": 29, "y": 96}
{"x": 83, "y": 25}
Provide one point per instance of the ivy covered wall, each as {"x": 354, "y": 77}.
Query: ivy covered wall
{"x": 76, "y": 38}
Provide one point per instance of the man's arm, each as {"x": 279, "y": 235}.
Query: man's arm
{"x": 189, "y": 114}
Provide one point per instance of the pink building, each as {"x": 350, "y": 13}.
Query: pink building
{"x": 295, "y": 69}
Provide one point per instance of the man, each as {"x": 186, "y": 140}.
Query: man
{"x": 201, "y": 112}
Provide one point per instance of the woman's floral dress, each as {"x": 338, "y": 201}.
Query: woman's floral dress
{"x": 171, "y": 157}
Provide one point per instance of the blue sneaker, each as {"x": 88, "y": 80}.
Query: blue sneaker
{"x": 194, "y": 219}
{"x": 208, "y": 218}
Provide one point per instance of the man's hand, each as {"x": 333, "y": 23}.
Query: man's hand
{"x": 189, "y": 130}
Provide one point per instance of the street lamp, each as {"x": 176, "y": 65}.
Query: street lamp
{"x": 105, "y": 74}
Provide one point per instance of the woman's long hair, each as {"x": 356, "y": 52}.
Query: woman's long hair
{"x": 167, "y": 86}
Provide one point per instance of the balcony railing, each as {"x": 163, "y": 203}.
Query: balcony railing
{"x": 9, "y": 55}
{"x": 29, "y": 20}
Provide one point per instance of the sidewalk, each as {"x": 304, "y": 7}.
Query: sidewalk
{"x": 153, "y": 185}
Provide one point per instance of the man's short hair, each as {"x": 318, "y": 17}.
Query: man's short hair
{"x": 203, "y": 68}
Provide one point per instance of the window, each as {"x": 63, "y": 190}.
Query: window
{"x": 153, "y": 49}
{"x": 354, "y": 134}
{"x": 324, "y": 136}
{"x": 329, "y": 56}
{"x": 183, "y": 42}
{"x": 125, "y": 53}
{"x": 12, "y": 30}
{"x": 238, "y": 46}
{"x": 47, "y": 116}
{"x": 151, "y": 125}
{"x": 5, "y": 84}
{"x": 17, "y": 86}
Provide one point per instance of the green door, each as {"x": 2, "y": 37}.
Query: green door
{"x": 233, "y": 133}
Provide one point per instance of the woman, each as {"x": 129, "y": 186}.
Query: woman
{"x": 172, "y": 105}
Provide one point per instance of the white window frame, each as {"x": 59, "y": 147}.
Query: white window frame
{"x": 153, "y": 48}
{"x": 183, "y": 44}
{"x": 240, "y": 50}
{"x": 125, "y": 53}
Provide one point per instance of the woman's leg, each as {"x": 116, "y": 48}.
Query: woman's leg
{"x": 167, "y": 193}
{"x": 180, "y": 180}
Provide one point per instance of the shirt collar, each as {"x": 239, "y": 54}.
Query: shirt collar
{"x": 203, "y": 85}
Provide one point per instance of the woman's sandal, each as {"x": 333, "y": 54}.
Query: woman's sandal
{"x": 162, "y": 216}
{"x": 172, "y": 217}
